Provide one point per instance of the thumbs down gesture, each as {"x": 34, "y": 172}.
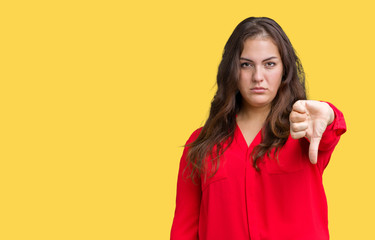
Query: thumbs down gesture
{"x": 310, "y": 119}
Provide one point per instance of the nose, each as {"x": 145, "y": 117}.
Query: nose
{"x": 257, "y": 74}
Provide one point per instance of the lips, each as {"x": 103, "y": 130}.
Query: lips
{"x": 258, "y": 90}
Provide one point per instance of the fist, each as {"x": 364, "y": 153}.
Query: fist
{"x": 310, "y": 119}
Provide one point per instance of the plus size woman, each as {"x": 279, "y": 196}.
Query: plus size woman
{"x": 254, "y": 170}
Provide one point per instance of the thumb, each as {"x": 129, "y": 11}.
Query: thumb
{"x": 313, "y": 149}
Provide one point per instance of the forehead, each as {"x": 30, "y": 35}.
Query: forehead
{"x": 259, "y": 47}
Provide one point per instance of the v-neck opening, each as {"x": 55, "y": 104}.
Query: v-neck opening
{"x": 244, "y": 139}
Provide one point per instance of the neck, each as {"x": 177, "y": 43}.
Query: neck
{"x": 254, "y": 114}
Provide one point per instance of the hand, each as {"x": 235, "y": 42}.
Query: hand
{"x": 310, "y": 119}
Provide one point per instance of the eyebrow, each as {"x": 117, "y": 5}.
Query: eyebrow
{"x": 242, "y": 58}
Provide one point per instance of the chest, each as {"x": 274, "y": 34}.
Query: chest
{"x": 292, "y": 158}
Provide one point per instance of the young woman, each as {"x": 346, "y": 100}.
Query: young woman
{"x": 254, "y": 170}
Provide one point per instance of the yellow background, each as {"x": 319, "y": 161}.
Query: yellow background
{"x": 98, "y": 96}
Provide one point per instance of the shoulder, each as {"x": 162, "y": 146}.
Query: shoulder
{"x": 194, "y": 135}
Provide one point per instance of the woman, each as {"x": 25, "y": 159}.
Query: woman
{"x": 254, "y": 170}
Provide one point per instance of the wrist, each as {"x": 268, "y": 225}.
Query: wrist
{"x": 331, "y": 115}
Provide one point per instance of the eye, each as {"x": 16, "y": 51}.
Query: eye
{"x": 270, "y": 64}
{"x": 245, "y": 65}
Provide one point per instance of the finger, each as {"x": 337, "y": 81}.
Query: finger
{"x": 299, "y": 106}
{"x": 313, "y": 149}
{"x": 297, "y": 135}
{"x": 301, "y": 126}
{"x": 297, "y": 117}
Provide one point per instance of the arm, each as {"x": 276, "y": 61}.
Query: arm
{"x": 334, "y": 130}
{"x": 319, "y": 122}
{"x": 186, "y": 217}
{"x": 331, "y": 137}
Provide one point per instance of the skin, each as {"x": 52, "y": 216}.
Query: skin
{"x": 261, "y": 67}
{"x": 310, "y": 119}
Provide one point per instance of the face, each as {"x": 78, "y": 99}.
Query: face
{"x": 261, "y": 70}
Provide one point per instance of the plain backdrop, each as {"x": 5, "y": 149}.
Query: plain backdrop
{"x": 97, "y": 98}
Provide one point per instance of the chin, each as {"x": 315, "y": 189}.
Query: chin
{"x": 261, "y": 104}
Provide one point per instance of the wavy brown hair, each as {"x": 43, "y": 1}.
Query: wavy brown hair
{"x": 218, "y": 131}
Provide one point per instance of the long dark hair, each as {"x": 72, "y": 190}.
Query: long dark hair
{"x": 218, "y": 131}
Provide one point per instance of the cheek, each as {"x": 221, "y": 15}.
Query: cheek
{"x": 240, "y": 85}
{"x": 245, "y": 77}
{"x": 276, "y": 78}
{"x": 277, "y": 74}
{"x": 242, "y": 80}
{"x": 242, "y": 75}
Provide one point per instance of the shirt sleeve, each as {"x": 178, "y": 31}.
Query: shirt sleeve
{"x": 331, "y": 135}
{"x": 330, "y": 138}
{"x": 188, "y": 199}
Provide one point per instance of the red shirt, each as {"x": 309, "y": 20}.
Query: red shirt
{"x": 284, "y": 201}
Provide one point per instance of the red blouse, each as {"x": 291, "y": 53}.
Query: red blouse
{"x": 284, "y": 201}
